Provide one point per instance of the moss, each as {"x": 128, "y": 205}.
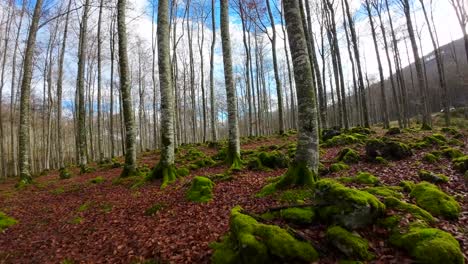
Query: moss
{"x": 366, "y": 178}
{"x": 205, "y": 162}
{"x": 348, "y": 207}
{"x": 339, "y": 166}
{"x": 407, "y": 185}
{"x": 201, "y": 190}
{"x": 85, "y": 206}
{"x": 267, "y": 190}
{"x": 166, "y": 172}
{"x": 387, "y": 191}
{"x": 348, "y": 155}
{"x": 435, "y": 201}
{"x": 461, "y": 163}
{"x": 154, "y": 209}
{"x": 381, "y": 160}
{"x": 451, "y": 152}
{"x": 64, "y": 173}
{"x": 432, "y": 177}
{"x": 298, "y": 174}
{"x": 268, "y": 160}
{"x": 77, "y": 220}
{"x": 349, "y": 244}
{"x": 6, "y": 221}
{"x": 430, "y": 158}
{"x": 415, "y": 211}
{"x": 296, "y": 195}
{"x": 344, "y": 139}
{"x": 182, "y": 172}
{"x": 59, "y": 190}
{"x": 429, "y": 245}
{"x": 390, "y": 222}
{"x": 342, "y": 261}
{"x": 97, "y": 180}
{"x": 299, "y": 216}
{"x": 235, "y": 162}
{"x": 435, "y": 139}
{"x": 361, "y": 130}
{"x": 252, "y": 242}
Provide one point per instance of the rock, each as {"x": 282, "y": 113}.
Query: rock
{"x": 201, "y": 190}
{"x": 349, "y": 244}
{"x": 329, "y": 133}
{"x": 435, "y": 201}
{"x": 432, "y": 177}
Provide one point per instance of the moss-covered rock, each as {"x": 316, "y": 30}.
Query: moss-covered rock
{"x": 461, "y": 163}
{"x": 6, "y": 221}
{"x": 362, "y": 178}
{"x": 201, "y": 190}
{"x": 432, "y": 177}
{"x": 429, "y": 245}
{"x": 300, "y": 216}
{"x": 386, "y": 191}
{"x": 348, "y": 155}
{"x": 414, "y": 210}
{"x": 252, "y": 242}
{"x": 361, "y": 130}
{"x": 345, "y": 139}
{"x": 272, "y": 160}
{"x": 430, "y": 158}
{"x": 387, "y": 148}
{"x": 381, "y": 160}
{"x": 339, "y": 166}
{"x": 408, "y": 186}
{"x": 435, "y": 139}
{"x": 349, "y": 244}
{"x": 297, "y": 195}
{"x": 451, "y": 152}
{"x": 345, "y": 206}
{"x": 435, "y": 201}
{"x": 182, "y": 172}
{"x": 97, "y": 180}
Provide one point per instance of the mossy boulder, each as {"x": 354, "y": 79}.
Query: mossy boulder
{"x": 416, "y": 211}
{"x": 393, "y": 131}
{"x": 451, "y": 153}
{"x": 386, "y": 191}
{"x": 407, "y": 186}
{"x": 461, "y": 163}
{"x": 296, "y": 215}
{"x": 361, "y": 130}
{"x": 97, "y": 180}
{"x": 249, "y": 241}
{"x": 330, "y": 133}
{"x": 6, "y": 221}
{"x": 339, "y": 166}
{"x": 351, "y": 245}
{"x": 362, "y": 178}
{"x": 64, "y": 173}
{"x": 272, "y": 160}
{"x": 432, "y": 177}
{"x": 389, "y": 149}
{"x": 429, "y": 245}
{"x": 381, "y": 160}
{"x": 435, "y": 139}
{"x": 430, "y": 158}
{"x": 432, "y": 199}
{"x": 182, "y": 172}
{"x": 345, "y": 206}
{"x": 345, "y": 139}
{"x": 201, "y": 190}
{"x": 348, "y": 155}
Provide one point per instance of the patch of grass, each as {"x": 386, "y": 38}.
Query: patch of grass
{"x": 85, "y": 206}
{"x": 6, "y": 221}
{"x": 77, "y": 220}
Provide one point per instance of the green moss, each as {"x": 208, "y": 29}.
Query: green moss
{"x": 393, "y": 131}
{"x": 268, "y": 160}
{"x": 461, "y": 163}
{"x": 348, "y": 155}
{"x": 415, "y": 211}
{"x": 76, "y": 220}
{"x": 252, "y": 242}
{"x": 387, "y": 148}
{"x": 166, "y": 172}
{"x": 85, "y": 206}
{"x": 59, "y": 190}
{"x": 432, "y": 177}
{"x": 451, "y": 152}
{"x": 390, "y": 222}
{"x": 407, "y": 185}
{"x": 366, "y": 178}
{"x": 235, "y": 162}
{"x": 429, "y": 245}
{"x": 339, "y": 166}
{"x": 349, "y": 244}
{"x": 344, "y": 139}
{"x": 430, "y": 158}
{"x": 296, "y": 195}
{"x": 267, "y": 190}
{"x": 64, "y": 173}
{"x": 201, "y": 190}
{"x": 381, "y": 160}
{"x": 361, "y": 130}
{"x": 387, "y": 191}
{"x": 435, "y": 139}
{"x": 206, "y": 162}
{"x": 154, "y": 209}
{"x": 6, "y": 221}
{"x": 435, "y": 201}
{"x": 97, "y": 180}
{"x": 348, "y": 207}
{"x": 304, "y": 215}
{"x": 182, "y": 172}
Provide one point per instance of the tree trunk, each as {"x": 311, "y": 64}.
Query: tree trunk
{"x": 233, "y": 157}
{"x": 24, "y": 146}
{"x": 214, "y": 136}
{"x": 303, "y": 171}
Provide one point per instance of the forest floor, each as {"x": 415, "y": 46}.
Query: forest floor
{"x": 79, "y": 220}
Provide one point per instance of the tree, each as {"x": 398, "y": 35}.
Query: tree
{"x": 130, "y": 146}
{"x": 24, "y": 149}
{"x": 304, "y": 168}
{"x": 214, "y": 136}
{"x": 165, "y": 168}
{"x": 80, "y": 86}
{"x": 233, "y": 155}
{"x": 460, "y": 7}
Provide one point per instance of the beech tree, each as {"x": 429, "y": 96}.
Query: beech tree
{"x": 304, "y": 168}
